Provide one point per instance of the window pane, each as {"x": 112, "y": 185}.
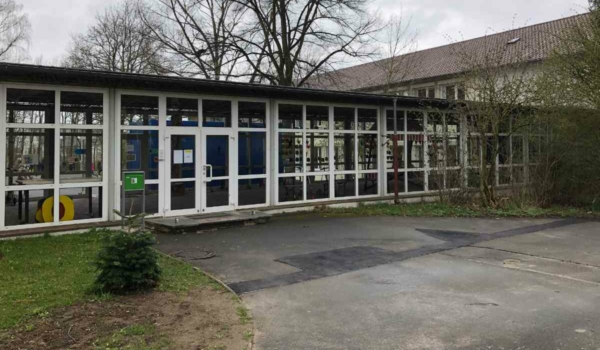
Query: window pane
{"x": 81, "y": 108}
{"x": 390, "y": 151}
{"x": 182, "y": 112}
{"x": 317, "y": 152}
{"x": 217, "y": 193}
{"x": 29, "y": 156}
{"x": 416, "y": 151}
{"x": 344, "y": 152}
{"x": 367, "y": 184}
{"x": 317, "y": 117}
{"x": 504, "y": 150}
{"x": 26, "y": 207}
{"x": 252, "y": 115}
{"x": 454, "y": 178}
{"x": 367, "y": 151}
{"x": 450, "y": 92}
{"x": 435, "y": 123}
{"x": 30, "y": 106}
{"x": 390, "y": 182}
{"x": 318, "y": 187}
{"x": 453, "y": 123}
{"x": 252, "y": 153}
{"x": 183, "y": 195}
{"x": 474, "y": 151}
{"x": 252, "y": 192}
{"x": 217, "y": 154}
{"x": 80, "y": 155}
{"x": 436, "y": 180}
{"x": 453, "y": 152}
{"x": 517, "y": 149}
{"x": 343, "y": 118}
{"x": 436, "y": 151}
{"x": 139, "y": 110}
{"x": 389, "y": 117}
{"x": 415, "y": 122}
{"x": 181, "y": 144}
{"x": 291, "y": 189}
{"x": 290, "y": 152}
{"x": 80, "y": 203}
{"x": 290, "y": 116}
{"x": 416, "y": 181}
{"x": 367, "y": 119}
{"x": 216, "y": 114}
{"x": 139, "y": 152}
{"x": 345, "y": 186}
{"x": 133, "y": 201}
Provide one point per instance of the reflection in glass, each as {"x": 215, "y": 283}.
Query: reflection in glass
{"x": 390, "y": 151}
{"x": 317, "y": 152}
{"x": 452, "y": 123}
{"x": 517, "y": 149}
{"x": 454, "y": 179}
{"x": 401, "y": 183}
{"x": 436, "y": 180}
{"x": 435, "y": 123}
{"x": 317, "y": 117}
{"x": 25, "y": 207}
{"x": 133, "y": 201}
{"x": 80, "y": 155}
{"x": 389, "y": 117}
{"x": 367, "y": 119}
{"x": 139, "y": 110}
{"x": 252, "y": 156}
{"x": 216, "y": 114}
{"x": 183, "y": 195}
{"x": 30, "y": 106}
{"x": 436, "y": 151}
{"x": 252, "y": 114}
{"x": 217, "y": 193}
{"x": 368, "y": 184}
{"x": 415, "y": 121}
{"x": 343, "y": 118}
{"x": 139, "y": 152}
{"x": 290, "y": 116}
{"x": 344, "y": 152}
{"x": 453, "y": 151}
{"x": 217, "y": 154}
{"x": 416, "y": 181}
{"x": 81, "y": 108}
{"x": 367, "y": 151}
{"x": 182, "y": 112}
{"x": 345, "y": 185}
{"x": 183, "y": 156}
{"x": 29, "y": 156}
{"x": 290, "y": 152}
{"x": 252, "y": 192}
{"x": 87, "y": 203}
{"x": 291, "y": 189}
{"x": 318, "y": 187}
{"x": 416, "y": 151}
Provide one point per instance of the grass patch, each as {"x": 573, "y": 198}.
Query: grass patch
{"x": 244, "y": 315}
{"x": 134, "y": 337}
{"x": 461, "y": 211}
{"x": 38, "y": 274}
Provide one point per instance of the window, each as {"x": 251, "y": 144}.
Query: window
{"x": 317, "y": 117}
{"x": 182, "y": 112}
{"x": 30, "y": 106}
{"x": 344, "y": 118}
{"x": 216, "y": 114}
{"x": 81, "y": 108}
{"x": 367, "y": 119}
{"x": 290, "y": 116}
{"x": 139, "y": 110}
{"x": 252, "y": 115}
{"x": 81, "y": 154}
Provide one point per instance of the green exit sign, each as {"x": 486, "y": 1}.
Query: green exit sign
{"x": 133, "y": 181}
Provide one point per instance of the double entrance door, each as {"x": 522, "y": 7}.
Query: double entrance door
{"x": 199, "y": 171}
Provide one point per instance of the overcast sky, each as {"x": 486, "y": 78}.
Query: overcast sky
{"x": 437, "y": 21}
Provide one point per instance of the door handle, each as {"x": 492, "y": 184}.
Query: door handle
{"x": 208, "y": 178}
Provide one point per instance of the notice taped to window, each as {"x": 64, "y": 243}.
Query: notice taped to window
{"x": 178, "y": 157}
{"x": 188, "y": 156}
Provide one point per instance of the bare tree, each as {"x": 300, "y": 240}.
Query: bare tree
{"x": 499, "y": 85}
{"x": 118, "y": 41}
{"x": 398, "y": 42}
{"x": 14, "y": 31}
{"x": 198, "y": 35}
{"x": 286, "y": 42}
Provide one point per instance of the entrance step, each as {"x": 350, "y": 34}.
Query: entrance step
{"x": 196, "y": 223}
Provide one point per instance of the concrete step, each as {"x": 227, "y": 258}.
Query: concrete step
{"x": 197, "y": 223}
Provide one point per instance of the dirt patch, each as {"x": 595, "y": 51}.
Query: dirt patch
{"x": 204, "y": 318}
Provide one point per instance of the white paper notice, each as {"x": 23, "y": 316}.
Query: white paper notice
{"x": 178, "y": 157}
{"x": 188, "y": 156}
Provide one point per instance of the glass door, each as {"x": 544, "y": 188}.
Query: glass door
{"x": 182, "y": 159}
{"x": 217, "y": 171}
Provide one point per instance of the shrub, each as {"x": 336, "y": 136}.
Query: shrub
{"x": 127, "y": 263}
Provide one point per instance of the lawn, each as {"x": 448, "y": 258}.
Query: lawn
{"x": 469, "y": 211}
{"x": 42, "y": 273}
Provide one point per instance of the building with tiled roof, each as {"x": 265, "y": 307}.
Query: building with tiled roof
{"x": 436, "y": 72}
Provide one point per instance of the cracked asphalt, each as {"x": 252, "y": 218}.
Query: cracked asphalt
{"x": 315, "y": 282}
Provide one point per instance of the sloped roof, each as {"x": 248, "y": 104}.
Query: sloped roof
{"x": 535, "y": 43}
